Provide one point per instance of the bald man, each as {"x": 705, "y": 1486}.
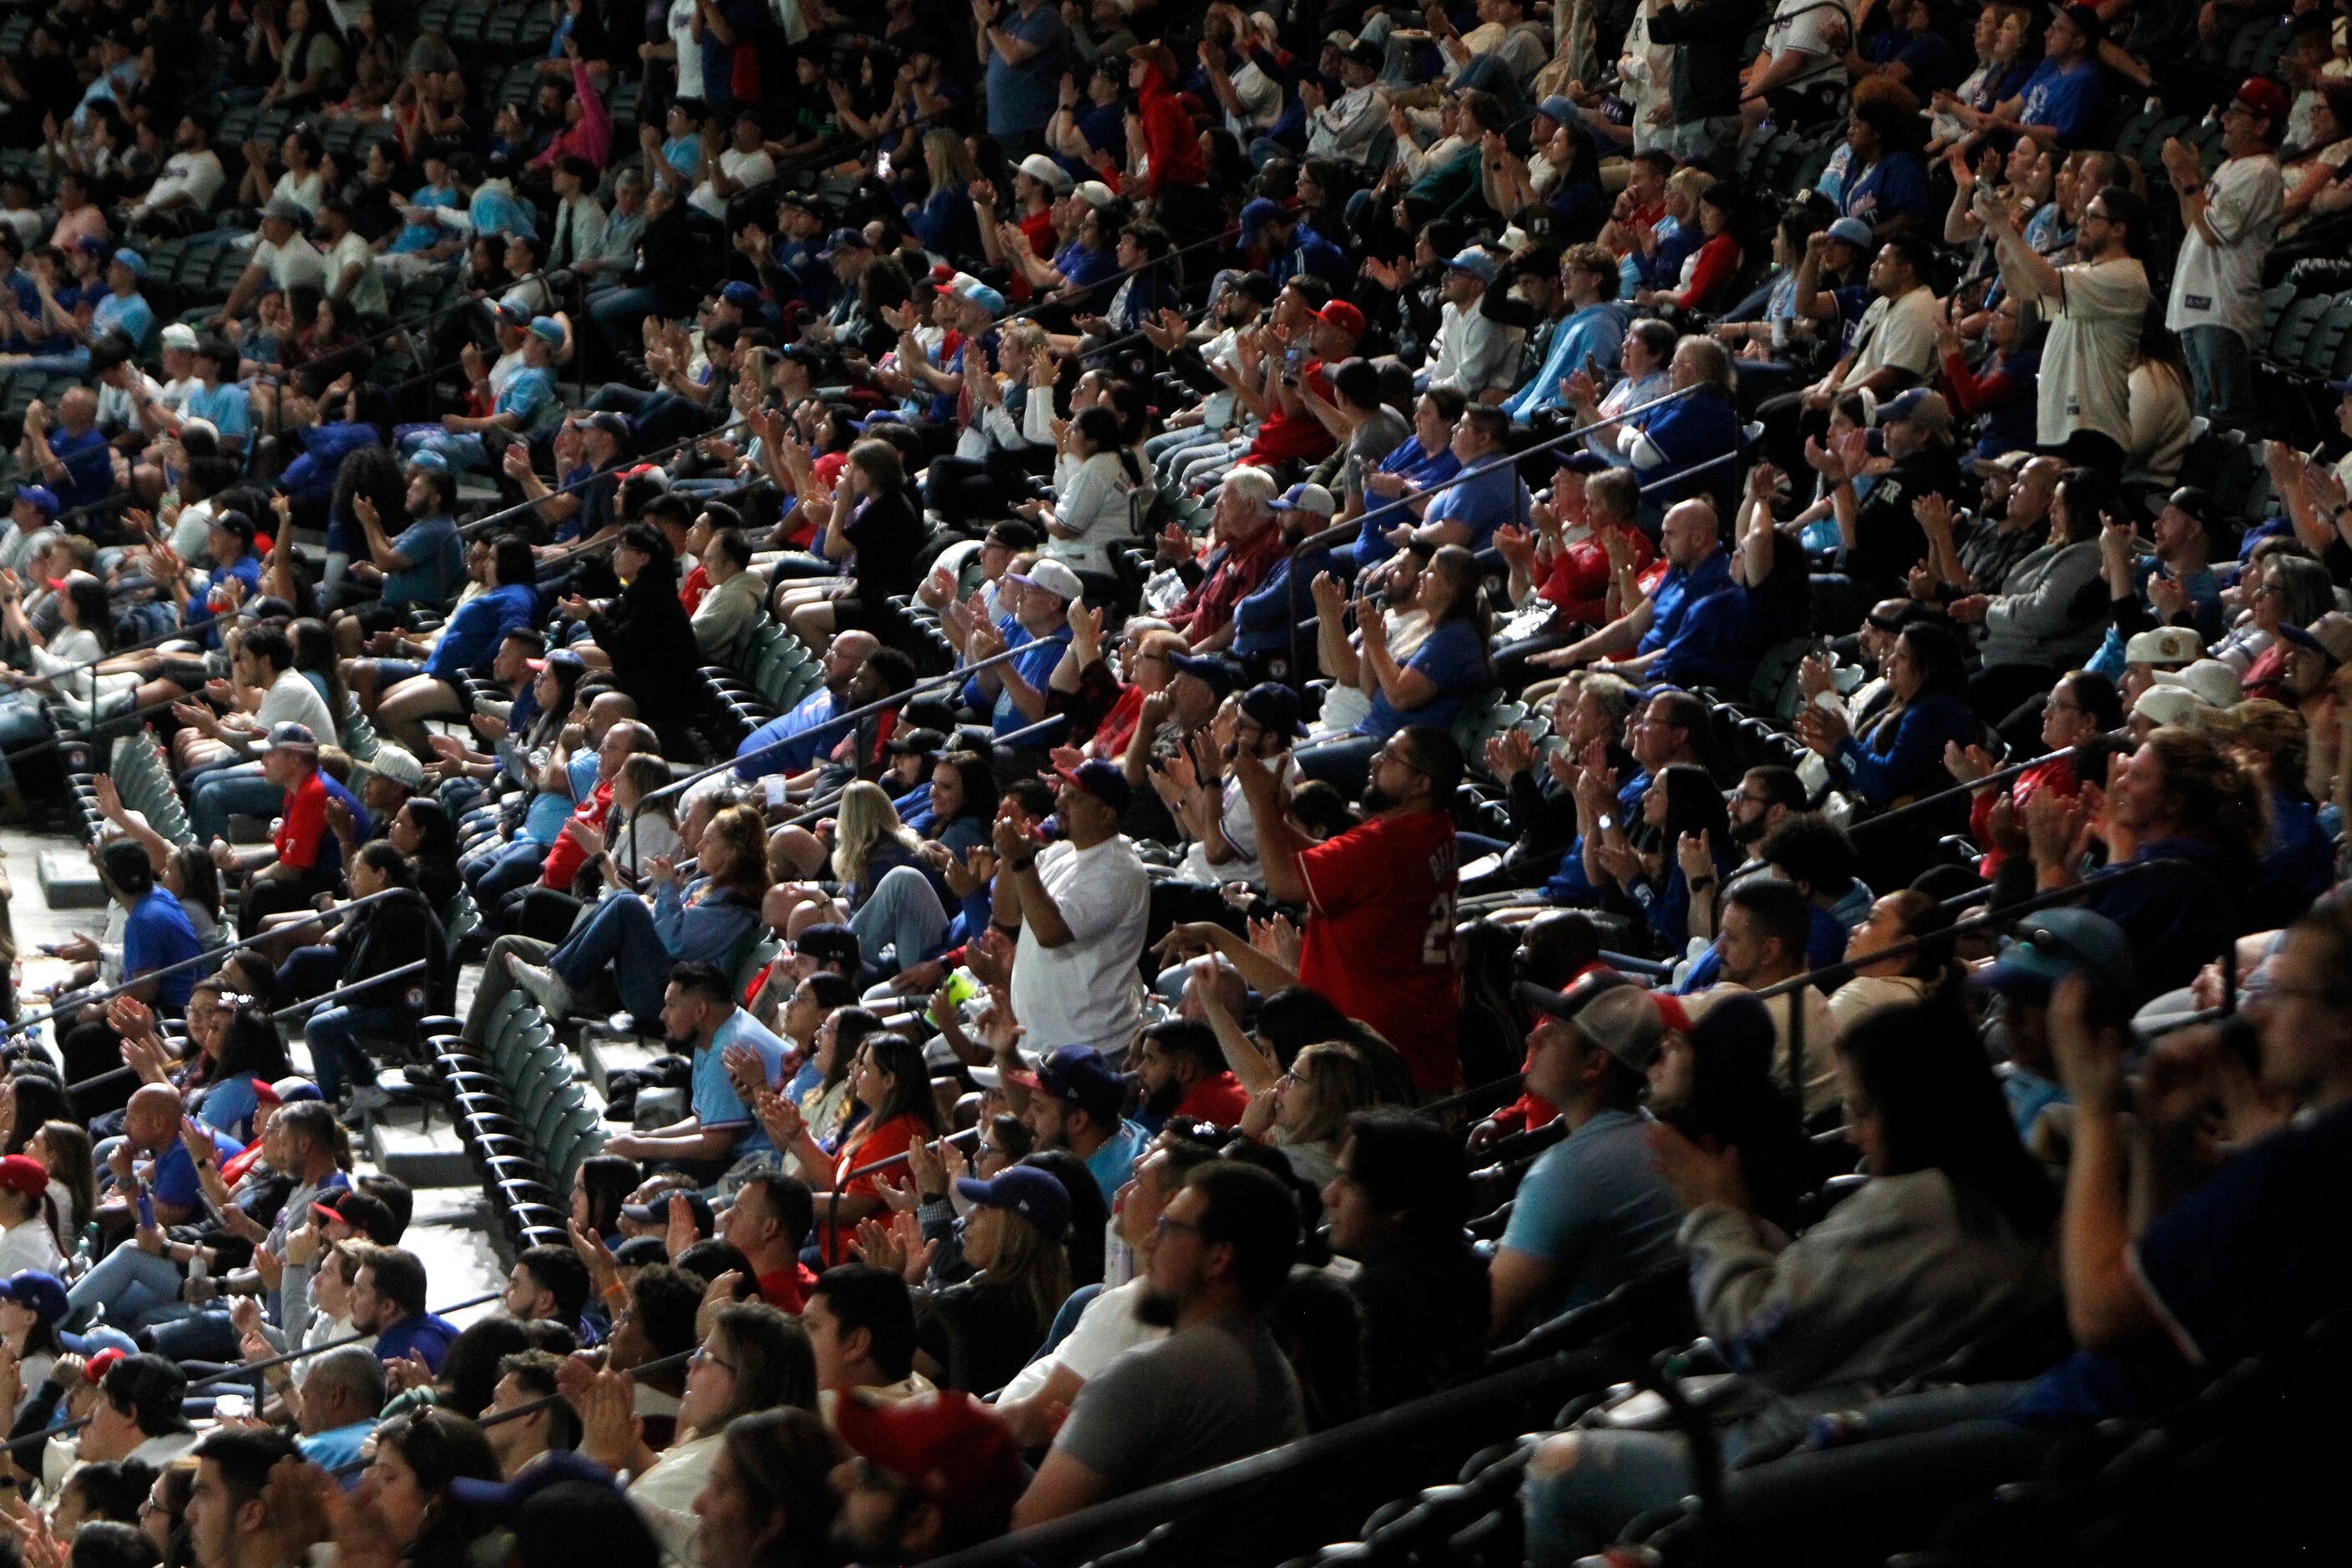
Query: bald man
{"x": 70, "y": 452}
{"x": 790, "y": 742}
{"x": 152, "y": 1150}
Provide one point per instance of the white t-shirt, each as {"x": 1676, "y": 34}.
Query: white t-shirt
{"x": 1085, "y": 992}
{"x": 2086, "y": 360}
{"x": 196, "y": 175}
{"x": 31, "y": 1245}
{"x": 1239, "y": 829}
{"x": 292, "y": 265}
{"x": 1805, "y": 24}
{"x": 367, "y": 295}
{"x": 1866, "y": 994}
{"x": 292, "y": 699}
{"x": 1106, "y": 1328}
{"x": 2220, "y": 285}
{"x": 743, "y": 168}
{"x": 1900, "y": 334}
{"x": 305, "y": 191}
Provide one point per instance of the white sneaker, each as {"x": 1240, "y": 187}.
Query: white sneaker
{"x": 546, "y": 987}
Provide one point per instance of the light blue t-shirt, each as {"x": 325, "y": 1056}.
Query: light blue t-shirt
{"x": 436, "y": 560}
{"x": 1111, "y": 1164}
{"x": 1595, "y": 1209}
{"x": 128, "y": 314}
{"x": 226, "y": 405}
{"x": 715, "y": 1103}
{"x": 1454, "y": 657}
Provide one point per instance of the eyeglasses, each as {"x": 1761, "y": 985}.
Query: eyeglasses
{"x": 1165, "y": 1225}
{"x": 704, "y": 1356}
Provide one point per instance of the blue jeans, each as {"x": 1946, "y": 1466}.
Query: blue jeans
{"x": 333, "y": 1034}
{"x": 132, "y": 1285}
{"x": 619, "y": 936}
{"x": 1346, "y": 761}
{"x": 517, "y": 865}
{"x": 22, "y": 723}
{"x": 2221, "y": 369}
{"x": 620, "y": 315}
{"x": 222, "y": 793}
{"x": 903, "y": 913}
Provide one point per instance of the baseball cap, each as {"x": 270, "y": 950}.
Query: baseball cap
{"x": 612, "y": 422}
{"x": 547, "y": 330}
{"x": 1035, "y": 1194}
{"x": 1851, "y": 231}
{"x": 291, "y": 736}
{"x": 1257, "y": 214}
{"x": 1045, "y": 172}
{"x": 560, "y": 658}
{"x": 286, "y": 1090}
{"x": 1367, "y": 54}
{"x": 2265, "y": 98}
{"x": 1344, "y": 316}
{"x": 510, "y": 314}
{"x": 134, "y": 260}
{"x": 2194, "y": 500}
{"x": 500, "y": 1499}
{"x": 741, "y": 295}
{"x": 2086, "y": 21}
{"x": 94, "y": 1370}
{"x": 2208, "y": 681}
{"x": 1055, "y": 577}
{"x": 1474, "y": 261}
{"x": 286, "y": 209}
{"x": 1101, "y": 780}
{"x": 2331, "y": 634}
{"x": 23, "y": 1174}
{"x": 1094, "y": 193}
{"x": 843, "y": 238}
{"x": 398, "y": 764}
{"x": 829, "y": 942}
{"x": 1918, "y": 406}
{"x": 1558, "y": 109}
{"x": 986, "y": 297}
{"x": 2056, "y": 943}
{"x": 916, "y": 742}
{"x": 2165, "y": 645}
{"x": 1581, "y": 460}
{"x": 2163, "y": 705}
{"x": 1080, "y": 1073}
{"x": 364, "y": 1212}
{"x": 1212, "y": 671}
{"x": 1274, "y": 707}
{"x": 950, "y": 1448}
{"x": 1608, "y": 1010}
{"x": 180, "y": 336}
{"x": 39, "y": 1293}
{"x": 1306, "y": 497}
{"x": 657, "y": 1211}
{"x": 40, "y": 498}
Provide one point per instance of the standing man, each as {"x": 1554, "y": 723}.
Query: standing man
{"x": 2094, "y": 306}
{"x": 1023, "y": 51}
{"x": 1080, "y": 907}
{"x": 2229, "y": 222}
{"x": 1379, "y": 897}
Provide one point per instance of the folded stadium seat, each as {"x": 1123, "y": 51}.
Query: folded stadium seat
{"x": 517, "y": 85}
{"x": 2132, "y": 138}
{"x": 16, "y": 35}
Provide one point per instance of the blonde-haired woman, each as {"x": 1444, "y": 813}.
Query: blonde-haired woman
{"x": 888, "y": 898}
{"x": 1306, "y": 1113}
{"x": 943, "y": 221}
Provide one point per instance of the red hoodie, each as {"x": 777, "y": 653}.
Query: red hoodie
{"x": 1174, "y": 145}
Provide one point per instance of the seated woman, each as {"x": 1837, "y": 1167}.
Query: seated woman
{"x": 974, "y": 1335}
{"x": 1708, "y": 273}
{"x": 1691, "y": 851}
{"x": 2316, "y": 189}
{"x": 1950, "y": 1237}
{"x": 1305, "y": 1113}
{"x": 892, "y": 1087}
{"x": 644, "y": 635}
{"x": 638, "y": 940}
{"x": 1902, "y": 752}
{"x": 1101, "y": 499}
{"x": 1446, "y": 670}
{"x": 640, "y": 832}
{"x": 888, "y": 898}
{"x": 87, "y": 635}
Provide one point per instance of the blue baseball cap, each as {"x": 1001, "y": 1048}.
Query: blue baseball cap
{"x": 1035, "y": 1194}
{"x": 131, "y": 259}
{"x": 1558, "y": 109}
{"x": 40, "y": 498}
{"x": 741, "y": 295}
{"x": 1259, "y": 212}
{"x": 1078, "y": 1073}
{"x": 2054, "y": 943}
{"x": 547, "y": 330}
{"x": 1210, "y": 671}
{"x": 503, "y": 1499}
{"x": 843, "y": 239}
{"x": 429, "y": 460}
{"x": 44, "y": 1295}
{"x": 1476, "y": 262}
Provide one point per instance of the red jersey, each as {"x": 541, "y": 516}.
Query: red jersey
{"x": 301, "y": 836}
{"x": 564, "y": 857}
{"x": 1380, "y": 937}
{"x": 1578, "y": 583}
{"x": 1285, "y": 436}
{"x": 787, "y": 1290}
{"x": 1220, "y": 1100}
{"x": 697, "y": 584}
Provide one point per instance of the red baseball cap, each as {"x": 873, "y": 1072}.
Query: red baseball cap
{"x": 1344, "y": 316}
{"x": 23, "y": 1174}
{"x": 94, "y": 1370}
{"x": 2265, "y": 98}
{"x": 950, "y": 1448}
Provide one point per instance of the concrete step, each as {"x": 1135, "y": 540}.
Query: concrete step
{"x": 401, "y": 1144}
{"x": 605, "y": 1051}
{"x": 69, "y": 881}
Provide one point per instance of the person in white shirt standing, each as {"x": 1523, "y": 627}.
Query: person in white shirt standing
{"x": 1080, "y": 907}
{"x": 2228, "y": 221}
{"x": 2095, "y": 306}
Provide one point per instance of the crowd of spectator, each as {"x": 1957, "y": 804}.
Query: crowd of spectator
{"x": 1710, "y": 621}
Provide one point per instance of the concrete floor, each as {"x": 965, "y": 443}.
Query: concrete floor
{"x": 452, "y": 1230}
